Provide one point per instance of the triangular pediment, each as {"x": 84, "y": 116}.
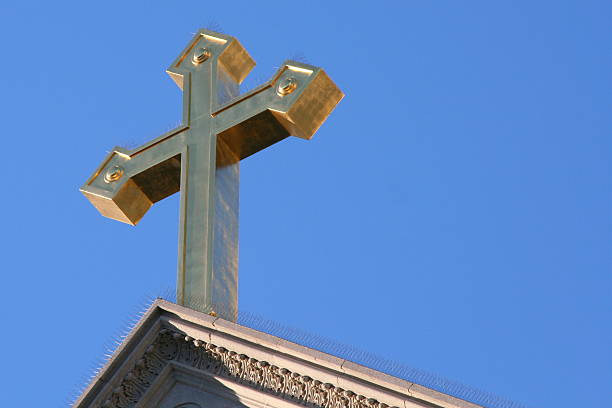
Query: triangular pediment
{"x": 179, "y": 358}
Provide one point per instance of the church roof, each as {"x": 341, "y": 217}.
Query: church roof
{"x": 178, "y": 357}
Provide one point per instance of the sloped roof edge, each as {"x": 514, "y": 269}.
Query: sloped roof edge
{"x": 255, "y": 351}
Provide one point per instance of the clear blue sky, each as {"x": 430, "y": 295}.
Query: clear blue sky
{"x": 453, "y": 214}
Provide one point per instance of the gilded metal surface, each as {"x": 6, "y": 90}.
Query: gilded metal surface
{"x": 201, "y": 158}
{"x": 113, "y": 174}
{"x": 286, "y": 86}
{"x": 201, "y": 55}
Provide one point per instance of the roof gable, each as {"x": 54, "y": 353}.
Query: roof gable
{"x": 176, "y": 354}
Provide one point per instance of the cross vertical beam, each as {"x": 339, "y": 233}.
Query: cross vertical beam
{"x": 207, "y": 277}
{"x": 201, "y": 158}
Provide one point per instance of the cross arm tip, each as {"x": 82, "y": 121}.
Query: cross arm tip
{"x": 313, "y": 99}
{"x": 225, "y": 50}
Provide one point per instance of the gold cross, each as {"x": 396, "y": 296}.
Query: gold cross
{"x": 201, "y": 158}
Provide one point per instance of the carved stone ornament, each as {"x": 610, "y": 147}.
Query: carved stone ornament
{"x": 176, "y": 356}
{"x": 173, "y": 346}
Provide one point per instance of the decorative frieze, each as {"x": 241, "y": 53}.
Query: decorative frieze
{"x": 173, "y": 346}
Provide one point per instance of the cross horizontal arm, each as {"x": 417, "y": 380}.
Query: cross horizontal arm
{"x": 295, "y": 102}
{"x": 136, "y": 179}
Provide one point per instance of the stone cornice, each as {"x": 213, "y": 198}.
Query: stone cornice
{"x": 170, "y": 336}
{"x": 174, "y": 346}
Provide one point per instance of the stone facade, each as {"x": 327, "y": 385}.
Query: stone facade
{"x": 180, "y": 358}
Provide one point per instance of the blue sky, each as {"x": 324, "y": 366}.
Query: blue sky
{"x": 453, "y": 214}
